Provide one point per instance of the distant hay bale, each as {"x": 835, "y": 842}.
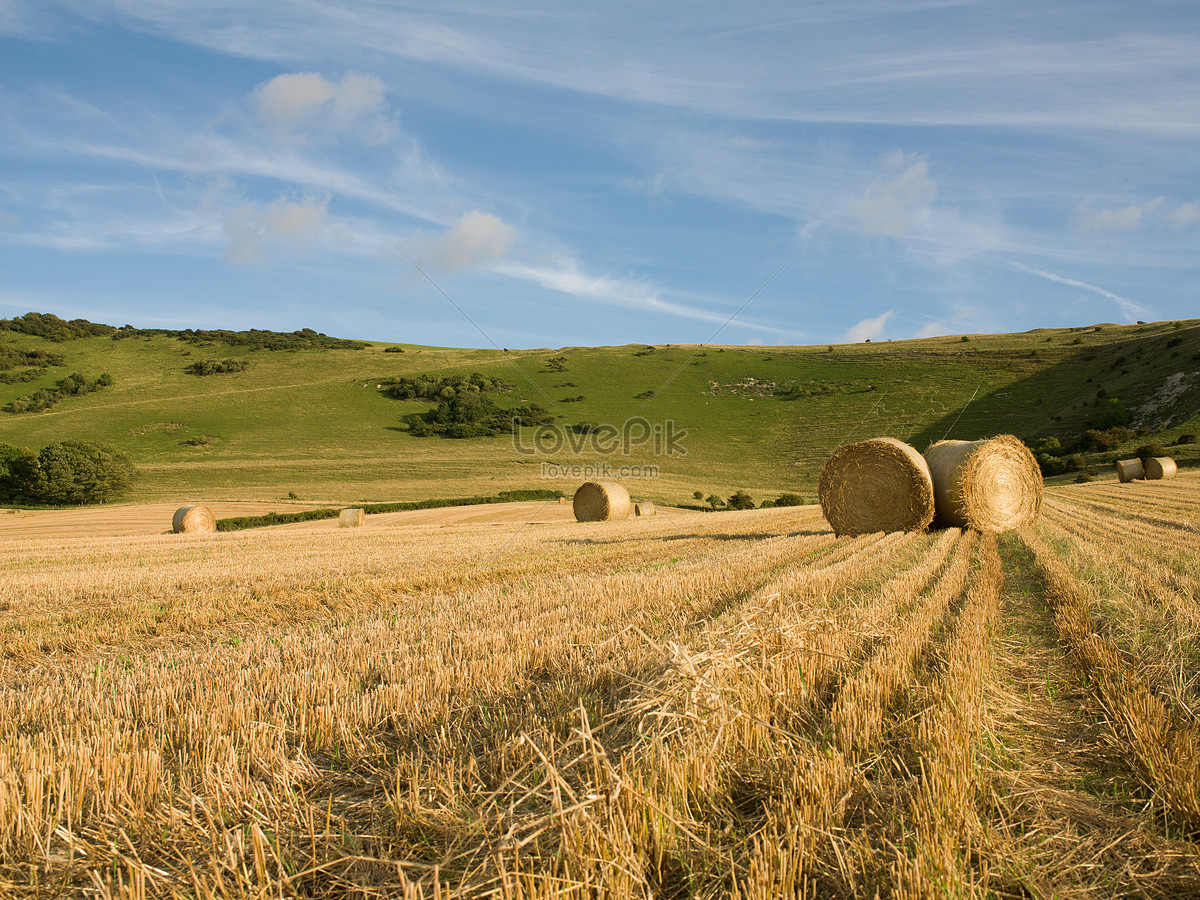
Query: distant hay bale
{"x": 1130, "y": 470}
{"x": 880, "y": 484}
{"x": 1159, "y": 467}
{"x": 193, "y": 520}
{"x": 991, "y": 485}
{"x": 598, "y": 501}
{"x": 351, "y": 518}
{"x": 643, "y": 508}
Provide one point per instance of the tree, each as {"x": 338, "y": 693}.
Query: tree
{"x": 789, "y": 500}
{"x": 699, "y": 495}
{"x": 82, "y": 472}
{"x": 714, "y": 501}
{"x": 18, "y": 472}
{"x": 741, "y": 500}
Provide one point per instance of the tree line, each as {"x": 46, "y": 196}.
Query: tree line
{"x": 64, "y": 473}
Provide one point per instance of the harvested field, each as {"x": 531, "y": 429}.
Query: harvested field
{"x": 733, "y": 704}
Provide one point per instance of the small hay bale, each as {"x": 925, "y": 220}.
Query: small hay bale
{"x": 1159, "y": 467}
{"x": 1130, "y": 470}
{"x": 193, "y": 520}
{"x": 880, "y": 484}
{"x": 991, "y": 485}
{"x": 643, "y": 508}
{"x": 351, "y": 518}
{"x": 600, "y": 501}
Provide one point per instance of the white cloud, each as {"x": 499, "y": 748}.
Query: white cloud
{"x": 867, "y": 329}
{"x": 891, "y": 205}
{"x": 253, "y": 228}
{"x": 1185, "y": 215}
{"x": 565, "y": 275}
{"x": 308, "y": 105}
{"x": 476, "y": 239}
{"x": 932, "y": 329}
{"x": 1129, "y": 309}
{"x": 1124, "y": 218}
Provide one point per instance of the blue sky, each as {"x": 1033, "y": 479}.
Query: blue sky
{"x": 570, "y": 173}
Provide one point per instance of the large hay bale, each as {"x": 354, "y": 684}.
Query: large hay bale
{"x": 643, "y": 508}
{"x": 880, "y": 484}
{"x": 991, "y": 485}
{"x": 193, "y": 520}
{"x": 598, "y": 501}
{"x": 351, "y": 518}
{"x": 1159, "y": 467}
{"x": 1129, "y": 470}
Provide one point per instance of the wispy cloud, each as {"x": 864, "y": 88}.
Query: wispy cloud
{"x": 253, "y": 228}
{"x": 1128, "y": 308}
{"x": 867, "y": 329}
{"x": 566, "y": 276}
{"x": 892, "y": 203}
{"x": 1124, "y": 218}
{"x": 1185, "y": 215}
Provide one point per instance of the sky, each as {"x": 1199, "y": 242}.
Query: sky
{"x": 552, "y": 174}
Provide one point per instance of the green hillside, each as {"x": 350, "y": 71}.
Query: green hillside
{"x": 312, "y": 421}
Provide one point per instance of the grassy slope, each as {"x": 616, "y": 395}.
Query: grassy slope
{"x": 312, "y": 421}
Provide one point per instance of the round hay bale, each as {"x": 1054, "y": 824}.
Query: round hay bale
{"x": 880, "y": 484}
{"x": 351, "y": 518}
{"x": 990, "y": 485}
{"x": 599, "y": 501}
{"x": 193, "y": 520}
{"x": 1129, "y": 470}
{"x": 1159, "y": 467}
{"x": 643, "y": 508}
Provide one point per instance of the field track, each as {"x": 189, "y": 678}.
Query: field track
{"x": 736, "y": 704}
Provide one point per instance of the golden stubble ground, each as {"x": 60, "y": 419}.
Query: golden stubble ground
{"x": 735, "y": 704}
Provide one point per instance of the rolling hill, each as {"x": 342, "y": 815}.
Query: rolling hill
{"x": 313, "y": 418}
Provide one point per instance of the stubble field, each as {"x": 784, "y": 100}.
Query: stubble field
{"x": 734, "y": 704}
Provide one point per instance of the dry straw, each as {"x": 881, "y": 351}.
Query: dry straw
{"x": 1159, "y": 467}
{"x": 1129, "y": 470}
{"x": 880, "y": 484}
{"x": 991, "y": 485}
{"x": 351, "y": 518}
{"x": 598, "y": 501}
{"x": 193, "y": 520}
{"x": 643, "y": 508}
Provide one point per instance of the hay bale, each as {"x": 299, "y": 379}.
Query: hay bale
{"x": 193, "y": 520}
{"x": 599, "y": 501}
{"x": 643, "y": 508}
{"x": 991, "y": 485}
{"x": 1129, "y": 470}
{"x": 351, "y": 518}
{"x": 1157, "y": 468}
{"x": 880, "y": 484}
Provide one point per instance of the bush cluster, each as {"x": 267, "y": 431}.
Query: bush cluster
{"x": 67, "y": 387}
{"x": 35, "y": 361}
{"x": 240, "y": 522}
{"x": 52, "y": 328}
{"x": 63, "y": 473}
{"x": 255, "y": 339}
{"x": 212, "y": 367}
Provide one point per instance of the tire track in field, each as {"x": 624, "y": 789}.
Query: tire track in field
{"x": 1066, "y": 814}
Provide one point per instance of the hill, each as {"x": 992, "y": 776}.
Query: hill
{"x": 309, "y": 415}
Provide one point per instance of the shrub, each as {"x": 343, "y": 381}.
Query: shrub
{"x": 714, "y": 501}
{"x": 1185, "y": 439}
{"x": 699, "y": 495}
{"x": 1084, "y": 478}
{"x": 1146, "y": 451}
{"x": 789, "y": 500}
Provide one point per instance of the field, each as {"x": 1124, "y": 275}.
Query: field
{"x": 735, "y": 704}
{"x": 762, "y": 419}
